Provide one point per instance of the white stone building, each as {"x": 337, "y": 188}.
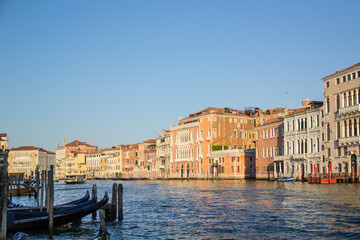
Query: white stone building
{"x": 302, "y": 141}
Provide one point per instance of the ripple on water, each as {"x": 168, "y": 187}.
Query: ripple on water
{"x": 220, "y": 210}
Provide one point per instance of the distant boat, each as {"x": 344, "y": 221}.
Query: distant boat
{"x": 19, "y": 221}
{"x": 75, "y": 179}
{"x": 286, "y": 179}
{"x": 21, "y": 189}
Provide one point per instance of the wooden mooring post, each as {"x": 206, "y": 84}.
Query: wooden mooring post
{"x": 120, "y": 202}
{"x": 50, "y": 206}
{"x": 114, "y": 201}
{"x": 37, "y": 177}
{"x": 94, "y": 195}
{"x": 3, "y": 194}
{"x": 42, "y": 190}
{"x": 111, "y": 209}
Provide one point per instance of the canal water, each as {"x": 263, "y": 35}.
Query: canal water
{"x": 222, "y": 209}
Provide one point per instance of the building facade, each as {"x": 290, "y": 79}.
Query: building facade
{"x": 27, "y": 159}
{"x": 341, "y": 131}
{"x": 3, "y": 142}
{"x": 195, "y": 137}
{"x": 163, "y": 155}
{"x": 71, "y": 158}
{"x": 302, "y": 141}
{"x": 232, "y": 163}
{"x": 269, "y": 144}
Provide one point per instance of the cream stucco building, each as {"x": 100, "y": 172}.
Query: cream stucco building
{"x": 341, "y": 131}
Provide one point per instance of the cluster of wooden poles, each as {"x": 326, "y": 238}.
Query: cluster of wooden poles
{"x": 44, "y": 184}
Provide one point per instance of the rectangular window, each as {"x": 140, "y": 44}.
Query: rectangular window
{"x": 327, "y": 84}
{"x": 338, "y": 81}
{"x": 348, "y": 77}
{"x": 353, "y": 75}
{"x": 344, "y": 78}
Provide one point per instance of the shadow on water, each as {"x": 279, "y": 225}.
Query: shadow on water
{"x": 220, "y": 210}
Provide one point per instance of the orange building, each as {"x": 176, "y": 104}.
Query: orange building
{"x": 130, "y": 159}
{"x": 269, "y": 143}
{"x": 197, "y": 136}
{"x": 145, "y": 164}
{"x": 232, "y": 164}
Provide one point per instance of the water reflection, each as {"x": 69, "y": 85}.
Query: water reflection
{"x": 222, "y": 209}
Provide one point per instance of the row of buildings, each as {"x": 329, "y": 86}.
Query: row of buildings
{"x": 319, "y": 137}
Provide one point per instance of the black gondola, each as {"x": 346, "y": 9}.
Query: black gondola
{"x": 19, "y": 221}
{"x": 18, "y": 207}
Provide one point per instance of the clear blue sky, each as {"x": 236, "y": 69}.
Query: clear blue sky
{"x": 121, "y": 71}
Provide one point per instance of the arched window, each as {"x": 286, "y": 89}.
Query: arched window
{"x": 337, "y": 102}
{"x": 338, "y": 130}
{"x": 345, "y": 100}
{"x": 350, "y": 99}
{"x": 355, "y": 128}
{"x": 350, "y": 128}
{"x": 355, "y": 98}
{"x": 305, "y": 123}
{"x": 327, "y": 105}
{"x": 302, "y": 123}
{"x": 345, "y": 129}
{"x": 305, "y": 145}
{"x": 328, "y": 131}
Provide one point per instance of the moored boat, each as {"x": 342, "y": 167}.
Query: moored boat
{"x": 286, "y": 179}
{"x": 75, "y": 179}
{"x": 19, "y": 221}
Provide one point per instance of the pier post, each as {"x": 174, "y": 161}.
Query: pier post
{"x": 46, "y": 188}
{"x": 50, "y": 206}
{"x": 37, "y": 177}
{"x": 18, "y": 185}
{"x": 11, "y": 187}
{"x": 42, "y": 190}
{"x": 114, "y": 202}
{"x": 94, "y": 195}
{"x": 3, "y": 194}
{"x": 120, "y": 202}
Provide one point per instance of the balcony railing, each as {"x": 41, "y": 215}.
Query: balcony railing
{"x": 279, "y": 158}
{"x": 349, "y": 140}
{"x": 350, "y": 109}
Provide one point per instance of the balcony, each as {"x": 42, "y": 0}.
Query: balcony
{"x": 349, "y": 140}
{"x": 350, "y": 109}
{"x": 279, "y": 158}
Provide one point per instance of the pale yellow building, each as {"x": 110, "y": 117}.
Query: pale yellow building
{"x": 71, "y": 158}
{"x": 25, "y": 159}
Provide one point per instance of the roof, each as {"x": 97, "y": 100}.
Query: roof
{"x": 3, "y": 134}
{"x": 30, "y": 148}
{"x": 212, "y": 110}
{"x": 76, "y": 143}
{"x": 273, "y": 120}
{"x": 343, "y": 70}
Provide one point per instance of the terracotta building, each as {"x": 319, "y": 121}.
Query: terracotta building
{"x": 269, "y": 144}
{"x": 197, "y": 136}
